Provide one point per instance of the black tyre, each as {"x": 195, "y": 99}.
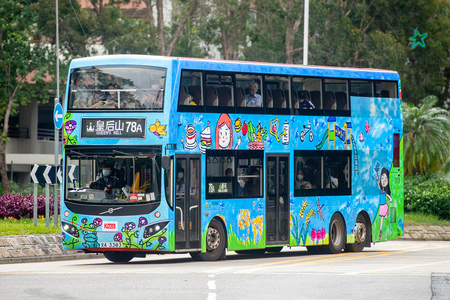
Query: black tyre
{"x": 119, "y": 256}
{"x": 361, "y": 233}
{"x": 336, "y": 235}
{"x": 274, "y": 249}
{"x": 215, "y": 242}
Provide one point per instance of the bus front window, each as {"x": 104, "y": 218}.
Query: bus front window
{"x": 117, "y": 87}
{"x": 113, "y": 179}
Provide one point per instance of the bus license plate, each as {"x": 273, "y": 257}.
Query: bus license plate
{"x": 111, "y": 245}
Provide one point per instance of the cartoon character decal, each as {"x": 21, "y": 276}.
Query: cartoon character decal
{"x": 383, "y": 185}
{"x": 224, "y": 132}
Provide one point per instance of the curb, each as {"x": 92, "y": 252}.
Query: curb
{"x": 48, "y": 247}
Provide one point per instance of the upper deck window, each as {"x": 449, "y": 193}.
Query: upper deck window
{"x": 117, "y": 87}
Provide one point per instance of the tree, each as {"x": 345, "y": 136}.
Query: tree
{"x": 225, "y": 25}
{"x": 426, "y": 136}
{"x": 21, "y": 55}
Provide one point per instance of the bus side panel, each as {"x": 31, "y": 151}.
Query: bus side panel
{"x": 378, "y": 186}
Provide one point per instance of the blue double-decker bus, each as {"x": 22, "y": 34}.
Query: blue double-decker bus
{"x": 165, "y": 154}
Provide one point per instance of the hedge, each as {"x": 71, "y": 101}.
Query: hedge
{"x": 19, "y": 206}
{"x": 428, "y": 194}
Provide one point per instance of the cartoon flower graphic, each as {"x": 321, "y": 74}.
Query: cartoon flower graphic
{"x": 142, "y": 221}
{"x": 129, "y": 226}
{"x": 244, "y": 218}
{"x": 70, "y": 126}
{"x": 97, "y": 222}
{"x": 118, "y": 238}
{"x": 257, "y": 226}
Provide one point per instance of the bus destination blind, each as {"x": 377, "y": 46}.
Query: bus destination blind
{"x": 113, "y": 128}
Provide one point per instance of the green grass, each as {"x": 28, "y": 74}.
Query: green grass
{"x": 26, "y": 226}
{"x": 423, "y": 219}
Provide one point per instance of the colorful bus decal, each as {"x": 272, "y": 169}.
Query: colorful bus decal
{"x": 98, "y": 232}
{"x": 368, "y": 136}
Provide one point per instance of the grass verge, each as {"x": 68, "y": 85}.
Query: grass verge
{"x": 24, "y": 226}
{"x": 423, "y": 219}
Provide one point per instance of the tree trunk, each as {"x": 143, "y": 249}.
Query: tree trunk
{"x": 149, "y": 5}
{"x": 3, "y": 174}
{"x": 180, "y": 27}
{"x": 161, "y": 31}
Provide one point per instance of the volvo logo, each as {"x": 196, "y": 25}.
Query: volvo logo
{"x": 110, "y": 210}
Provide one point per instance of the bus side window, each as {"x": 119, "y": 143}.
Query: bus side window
{"x": 316, "y": 99}
{"x": 184, "y": 98}
{"x": 196, "y": 93}
{"x": 211, "y": 96}
{"x": 240, "y": 97}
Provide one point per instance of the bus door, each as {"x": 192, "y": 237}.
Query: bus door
{"x": 277, "y": 199}
{"x": 187, "y": 202}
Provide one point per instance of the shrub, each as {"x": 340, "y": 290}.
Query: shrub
{"x": 20, "y": 206}
{"x": 428, "y": 194}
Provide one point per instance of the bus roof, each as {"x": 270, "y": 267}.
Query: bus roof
{"x": 238, "y": 66}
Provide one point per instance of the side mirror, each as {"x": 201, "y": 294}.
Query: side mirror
{"x": 165, "y": 162}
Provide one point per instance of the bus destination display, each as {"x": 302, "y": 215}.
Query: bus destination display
{"x": 113, "y": 128}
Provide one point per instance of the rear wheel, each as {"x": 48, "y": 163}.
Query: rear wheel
{"x": 360, "y": 235}
{"x": 215, "y": 243}
{"x": 336, "y": 235}
{"x": 119, "y": 256}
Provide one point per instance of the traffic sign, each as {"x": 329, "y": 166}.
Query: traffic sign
{"x": 58, "y": 116}
{"x": 46, "y": 174}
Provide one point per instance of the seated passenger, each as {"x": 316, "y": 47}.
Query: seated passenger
{"x": 111, "y": 100}
{"x": 301, "y": 182}
{"x": 253, "y": 99}
{"x": 252, "y": 186}
{"x": 107, "y": 182}
{"x": 153, "y": 99}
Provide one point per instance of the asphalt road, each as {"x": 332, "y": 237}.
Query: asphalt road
{"x": 402, "y": 269}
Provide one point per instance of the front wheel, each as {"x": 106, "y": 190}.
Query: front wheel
{"x": 336, "y": 235}
{"x": 215, "y": 242}
{"x": 119, "y": 256}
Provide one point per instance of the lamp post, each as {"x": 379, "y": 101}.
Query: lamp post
{"x": 305, "y": 33}
{"x": 56, "y": 144}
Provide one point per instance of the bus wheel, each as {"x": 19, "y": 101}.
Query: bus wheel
{"x": 215, "y": 242}
{"x": 336, "y": 235}
{"x": 274, "y": 249}
{"x": 360, "y": 235}
{"x": 119, "y": 256}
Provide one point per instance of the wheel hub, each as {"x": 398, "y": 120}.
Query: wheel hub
{"x": 360, "y": 232}
{"x": 213, "y": 238}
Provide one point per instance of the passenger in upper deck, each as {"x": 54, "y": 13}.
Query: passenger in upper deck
{"x": 253, "y": 99}
{"x": 111, "y": 100}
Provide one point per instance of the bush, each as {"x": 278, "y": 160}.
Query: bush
{"x": 26, "y": 189}
{"x": 20, "y": 206}
{"x": 429, "y": 194}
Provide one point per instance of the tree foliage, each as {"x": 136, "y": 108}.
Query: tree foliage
{"x": 22, "y": 56}
{"x": 426, "y": 138}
